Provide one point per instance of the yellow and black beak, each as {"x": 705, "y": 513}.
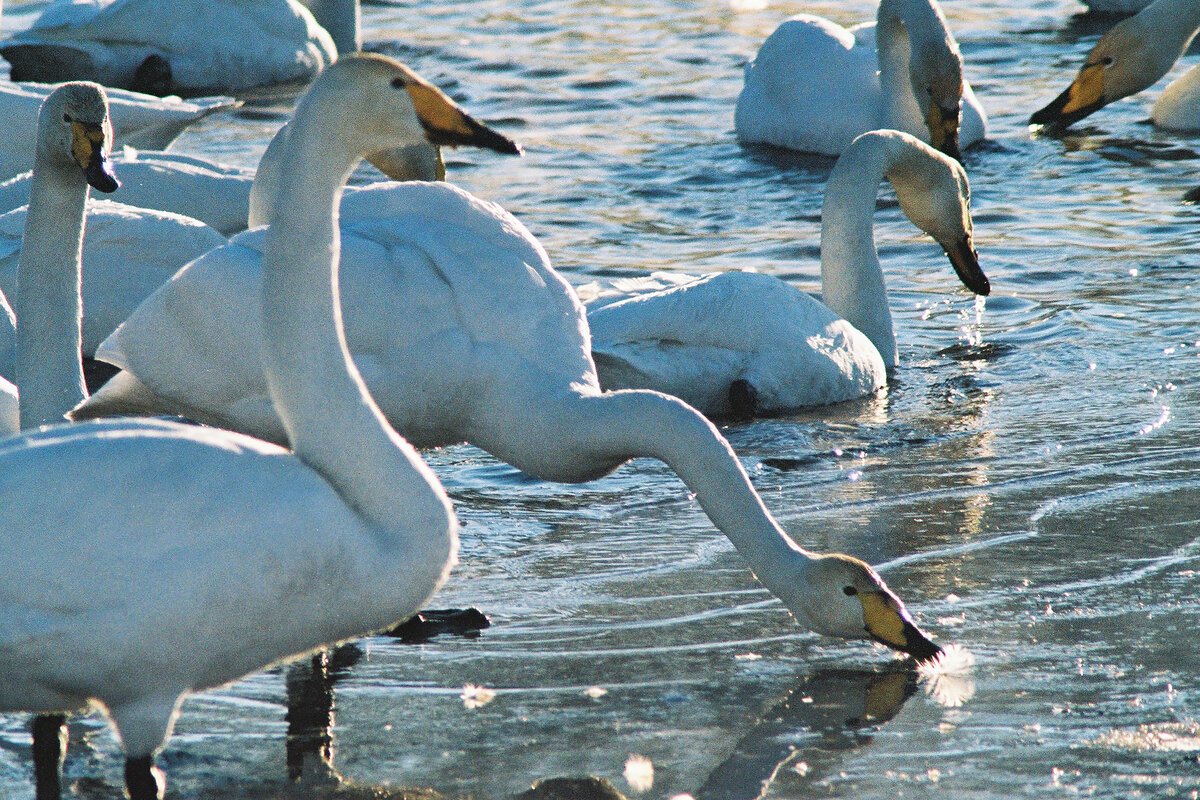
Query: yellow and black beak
{"x": 447, "y": 124}
{"x": 87, "y": 147}
{"x": 965, "y": 260}
{"x": 887, "y": 622}
{"x": 943, "y": 129}
{"x": 1082, "y": 97}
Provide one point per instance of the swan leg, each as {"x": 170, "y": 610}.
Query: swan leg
{"x": 49, "y": 751}
{"x": 143, "y": 780}
{"x": 310, "y": 721}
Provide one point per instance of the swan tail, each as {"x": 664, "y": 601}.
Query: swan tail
{"x": 123, "y": 395}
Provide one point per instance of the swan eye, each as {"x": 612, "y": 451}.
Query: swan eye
{"x": 67, "y": 118}
{"x": 1107, "y": 61}
{"x": 399, "y": 83}
{"x": 849, "y": 590}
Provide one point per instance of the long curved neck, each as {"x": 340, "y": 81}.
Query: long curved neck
{"x": 341, "y": 19}
{"x": 629, "y": 424}
{"x": 332, "y": 422}
{"x": 49, "y": 374}
{"x": 852, "y": 282}
{"x": 902, "y": 28}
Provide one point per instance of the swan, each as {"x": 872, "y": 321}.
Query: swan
{"x": 743, "y": 343}
{"x": 190, "y": 556}
{"x": 138, "y": 120}
{"x": 814, "y": 86}
{"x": 172, "y": 46}
{"x": 463, "y": 331}
{"x": 1131, "y": 57}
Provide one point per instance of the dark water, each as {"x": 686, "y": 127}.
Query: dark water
{"x": 1029, "y": 480}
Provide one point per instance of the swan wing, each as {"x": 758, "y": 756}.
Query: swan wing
{"x": 243, "y": 556}
{"x": 443, "y": 295}
{"x": 695, "y": 339}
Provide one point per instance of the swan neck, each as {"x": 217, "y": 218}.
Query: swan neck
{"x": 332, "y": 422}
{"x": 49, "y": 375}
{"x": 1174, "y": 24}
{"x": 852, "y": 282}
{"x": 629, "y": 424}
{"x": 904, "y": 28}
{"x": 265, "y": 187}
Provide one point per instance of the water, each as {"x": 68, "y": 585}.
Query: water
{"x": 1029, "y": 480}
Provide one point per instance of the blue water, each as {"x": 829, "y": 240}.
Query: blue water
{"x": 1029, "y": 480}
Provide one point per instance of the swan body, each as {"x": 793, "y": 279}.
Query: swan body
{"x": 172, "y": 46}
{"x": 215, "y": 194}
{"x": 742, "y": 342}
{"x": 138, "y": 120}
{"x": 127, "y": 254}
{"x": 1131, "y": 57}
{"x": 815, "y": 86}
{"x": 463, "y": 331}
{"x": 191, "y": 556}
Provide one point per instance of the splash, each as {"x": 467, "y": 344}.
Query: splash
{"x": 946, "y": 678}
{"x": 639, "y": 773}
{"x": 477, "y": 696}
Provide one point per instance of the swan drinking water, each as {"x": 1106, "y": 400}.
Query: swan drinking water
{"x": 814, "y": 86}
{"x": 743, "y": 343}
{"x": 1131, "y": 57}
{"x": 146, "y": 559}
{"x": 463, "y": 331}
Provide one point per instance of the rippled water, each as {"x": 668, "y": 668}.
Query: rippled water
{"x": 1029, "y": 480}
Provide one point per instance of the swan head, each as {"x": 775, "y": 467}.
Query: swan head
{"x": 842, "y": 596}
{"x": 74, "y": 128}
{"x": 937, "y": 81}
{"x": 351, "y": 93}
{"x": 934, "y": 194}
{"x": 935, "y": 71}
{"x": 1125, "y": 61}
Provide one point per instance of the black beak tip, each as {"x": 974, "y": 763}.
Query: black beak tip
{"x": 918, "y": 645}
{"x": 99, "y": 175}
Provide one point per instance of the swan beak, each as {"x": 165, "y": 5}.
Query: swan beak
{"x": 87, "y": 146}
{"x": 888, "y": 622}
{"x": 943, "y": 129}
{"x": 447, "y": 124}
{"x": 966, "y": 263}
{"x": 1082, "y": 97}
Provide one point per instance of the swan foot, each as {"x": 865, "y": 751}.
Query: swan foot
{"x": 143, "y": 780}
{"x": 743, "y": 399}
{"x": 465, "y": 622}
{"x": 49, "y": 750}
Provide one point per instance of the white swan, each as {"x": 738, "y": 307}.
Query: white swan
{"x": 1131, "y": 57}
{"x": 814, "y": 86}
{"x": 167, "y": 46}
{"x": 463, "y": 331}
{"x": 146, "y": 559}
{"x": 138, "y": 120}
{"x": 743, "y": 343}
